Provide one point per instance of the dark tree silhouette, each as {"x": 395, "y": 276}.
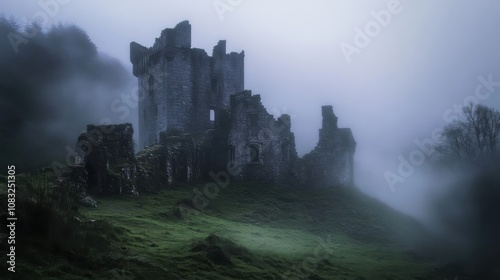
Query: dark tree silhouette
{"x": 470, "y": 210}
{"x": 473, "y": 136}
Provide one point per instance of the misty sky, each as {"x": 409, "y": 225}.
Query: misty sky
{"x": 395, "y": 89}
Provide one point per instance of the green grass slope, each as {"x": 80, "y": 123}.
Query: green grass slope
{"x": 247, "y": 231}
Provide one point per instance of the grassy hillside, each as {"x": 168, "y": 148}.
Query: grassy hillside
{"x": 248, "y": 231}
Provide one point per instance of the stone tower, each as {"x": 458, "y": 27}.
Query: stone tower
{"x": 181, "y": 87}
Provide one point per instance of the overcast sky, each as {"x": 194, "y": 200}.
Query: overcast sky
{"x": 391, "y": 90}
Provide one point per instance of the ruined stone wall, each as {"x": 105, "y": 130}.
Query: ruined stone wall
{"x": 181, "y": 157}
{"x": 179, "y": 85}
{"x": 202, "y": 94}
{"x": 248, "y": 137}
{"x": 106, "y": 163}
{"x": 228, "y": 70}
{"x": 331, "y": 163}
{"x": 107, "y": 154}
{"x": 264, "y": 147}
{"x": 166, "y": 88}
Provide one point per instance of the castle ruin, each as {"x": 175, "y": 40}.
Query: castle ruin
{"x": 182, "y": 87}
{"x": 196, "y": 119}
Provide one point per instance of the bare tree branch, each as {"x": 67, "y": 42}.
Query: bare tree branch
{"x": 474, "y": 136}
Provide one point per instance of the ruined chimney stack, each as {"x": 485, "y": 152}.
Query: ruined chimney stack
{"x": 329, "y": 118}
